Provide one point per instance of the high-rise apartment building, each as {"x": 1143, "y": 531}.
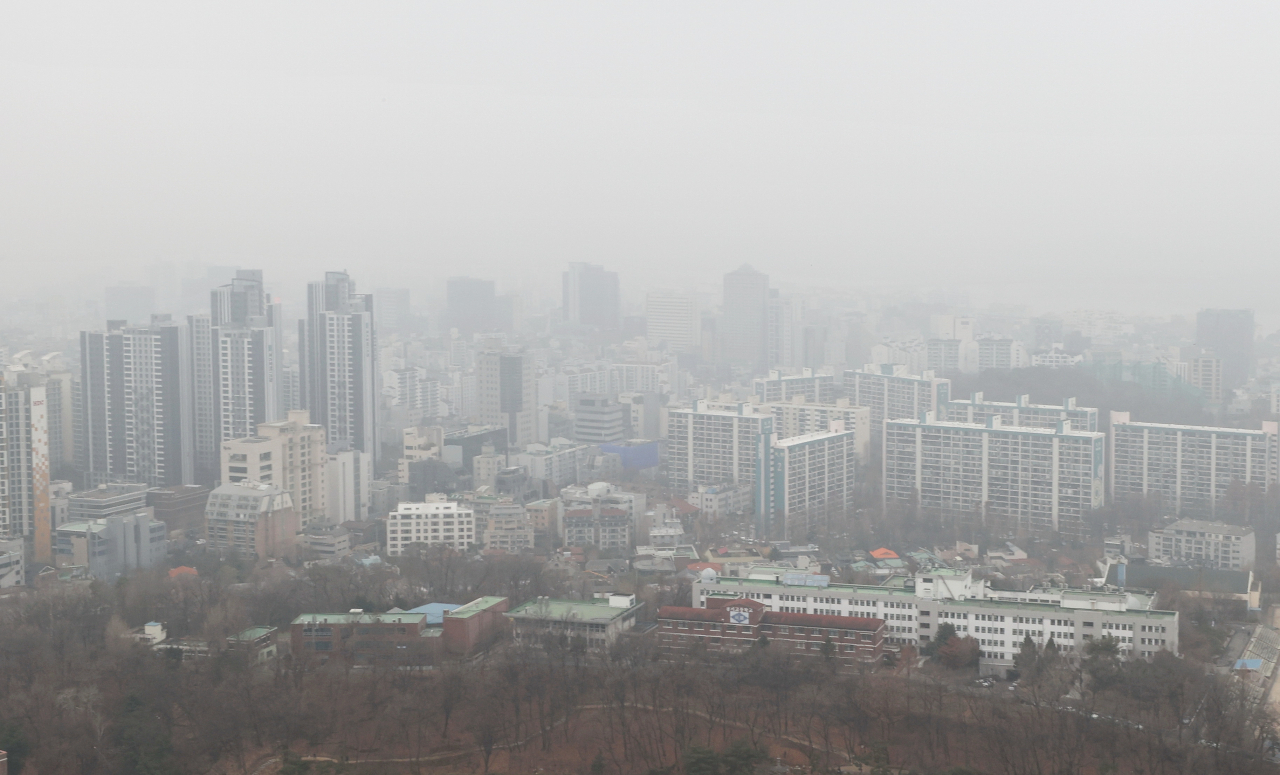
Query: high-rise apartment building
{"x": 1038, "y": 479}
{"x": 798, "y": 417}
{"x": 977, "y": 409}
{"x": 784, "y": 329}
{"x": 134, "y": 411}
{"x": 672, "y": 321}
{"x": 892, "y": 393}
{"x": 507, "y": 394}
{"x": 815, "y": 388}
{"x": 1191, "y": 467}
{"x": 338, "y": 348}
{"x": 744, "y": 327}
{"x": 809, "y": 488}
{"x": 24, "y": 461}
{"x": 718, "y": 446}
{"x": 290, "y": 454}
{"x": 590, "y": 296}
{"x": 1228, "y": 334}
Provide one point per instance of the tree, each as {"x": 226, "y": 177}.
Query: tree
{"x": 1027, "y": 660}
{"x": 946, "y": 631}
{"x": 741, "y": 758}
{"x": 597, "y": 764}
{"x": 701, "y": 761}
{"x": 959, "y": 653}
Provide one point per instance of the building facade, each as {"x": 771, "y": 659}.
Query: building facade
{"x": 25, "y": 508}
{"x": 672, "y": 320}
{"x": 338, "y": 353}
{"x": 799, "y": 417}
{"x": 1190, "y": 467}
{"x": 813, "y": 388}
{"x": 434, "y": 523}
{"x": 1036, "y": 479}
{"x": 809, "y": 489}
{"x": 291, "y": 454}
{"x": 507, "y": 394}
{"x": 976, "y": 409}
{"x": 1208, "y": 544}
{"x": 594, "y": 624}
{"x": 253, "y": 518}
{"x": 744, "y": 327}
{"x": 892, "y": 393}
{"x": 112, "y": 546}
{"x": 715, "y": 447}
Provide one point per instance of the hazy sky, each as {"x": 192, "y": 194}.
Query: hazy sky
{"x": 1056, "y": 154}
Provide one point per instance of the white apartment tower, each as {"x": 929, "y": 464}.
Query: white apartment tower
{"x": 1021, "y": 411}
{"x": 1191, "y": 467}
{"x": 1036, "y": 479}
{"x": 892, "y": 393}
{"x": 338, "y": 352}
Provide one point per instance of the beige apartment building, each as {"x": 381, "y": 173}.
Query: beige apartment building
{"x": 289, "y": 454}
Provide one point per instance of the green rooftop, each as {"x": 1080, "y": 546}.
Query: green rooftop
{"x": 253, "y": 633}
{"x": 360, "y": 618}
{"x": 473, "y": 608}
{"x": 597, "y": 610}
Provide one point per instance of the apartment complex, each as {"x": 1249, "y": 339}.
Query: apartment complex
{"x": 1208, "y": 544}
{"x": 1021, "y": 411}
{"x": 814, "y": 388}
{"x": 291, "y": 455}
{"x": 713, "y": 447}
{"x": 1190, "y": 467}
{"x": 809, "y": 485}
{"x": 1030, "y": 478}
{"x": 891, "y": 393}
{"x": 914, "y": 610}
{"x": 799, "y": 417}
{"x": 437, "y": 522}
{"x": 338, "y": 353}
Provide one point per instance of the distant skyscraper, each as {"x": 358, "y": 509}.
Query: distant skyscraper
{"x": 135, "y": 414}
{"x": 673, "y": 319}
{"x": 471, "y": 306}
{"x": 338, "y": 351}
{"x": 744, "y": 328}
{"x": 1228, "y": 334}
{"x": 391, "y": 309}
{"x": 590, "y": 296}
{"x": 507, "y": 394}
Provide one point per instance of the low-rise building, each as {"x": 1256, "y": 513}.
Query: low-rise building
{"x": 109, "y": 547}
{"x": 509, "y": 533}
{"x": 544, "y": 515}
{"x": 437, "y": 522}
{"x": 721, "y": 500}
{"x": 1211, "y": 544}
{"x": 180, "y": 507}
{"x": 476, "y": 625}
{"x": 365, "y": 638}
{"x": 326, "y": 543}
{"x": 12, "y": 563}
{"x": 734, "y": 625}
{"x": 592, "y": 624}
{"x": 258, "y": 644}
{"x": 603, "y": 528}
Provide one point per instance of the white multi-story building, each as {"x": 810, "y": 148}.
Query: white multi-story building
{"x": 706, "y": 446}
{"x": 1210, "y": 544}
{"x": 348, "y": 475}
{"x": 998, "y": 620}
{"x": 410, "y": 388}
{"x": 999, "y": 353}
{"x": 719, "y": 500}
{"x": 419, "y": 443}
{"x": 291, "y": 455}
{"x": 1032, "y": 478}
{"x": 1191, "y": 467}
{"x": 561, "y": 462}
{"x": 810, "y": 484}
{"x": 12, "y": 563}
{"x": 814, "y": 388}
{"x": 506, "y": 393}
{"x": 672, "y": 319}
{"x": 976, "y": 409}
{"x": 437, "y": 522}
{"x": 638, "y": 377}
{"x": 893, "y": 393}
{"x": 799, "y": 417}
{"x": 338, "y": 353}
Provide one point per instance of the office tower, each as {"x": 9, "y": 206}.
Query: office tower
{"x": 599, "y": 419}
{"x": 507, "y": 394}
{"x": 1190, "y": 468}
{"x": 708, "y": 446}
{"x": 744, "y": 329}
{"x": 338, "y": 351}
{"x": 1036, "y": 479}
{"x": 1206, "y": 544}
{"x": 976, "y": 409}
{"x": 391, "y": 309}
{"x": 133, "y": 304}
{"x": 815, "y": 388}
{"x": 135, "y": 406}
{"x": 810, "y": 483}
{"x": 590, "y": 296}
{"x": 24, "y": 461}
{"x": 672, "y": 321}
{"x": 783, "y": 333}
{"x": 1228, "y": 334}
{"x": 891, "y": 392}
{"x": 291, "y": 454}
{"x": 471, "y": 306}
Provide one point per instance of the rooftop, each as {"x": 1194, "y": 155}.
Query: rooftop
{"x": 435, "y": 611}
{"x": 1202, "y": 526}
{"x": 1196, "y": 428}
{"x": 361, "y": 618}
{"x": 253, "y": 633}
{"x": 1020, "y": 429}
{"x": 599, "y": 611}
{"x": 474, "y": 607}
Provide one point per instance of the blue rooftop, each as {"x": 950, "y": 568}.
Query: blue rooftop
{"x": 434, "y": 611}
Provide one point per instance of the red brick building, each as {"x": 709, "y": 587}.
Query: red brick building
{"x": 736, "y": 625}
{"x": 362, "y": 638}
{"x": 476, "y": 624}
